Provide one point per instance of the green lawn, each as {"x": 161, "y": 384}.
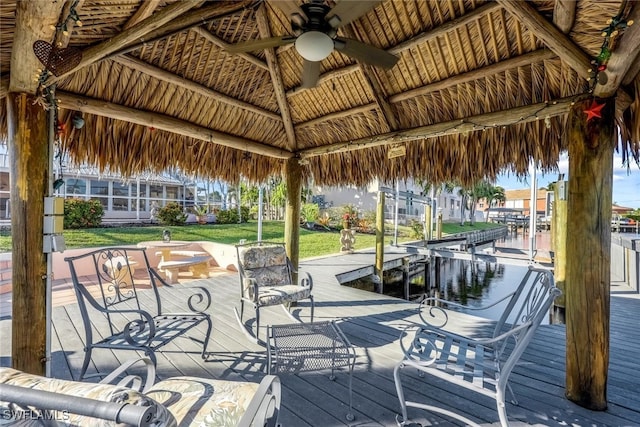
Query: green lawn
{"x": 312, "y": 243}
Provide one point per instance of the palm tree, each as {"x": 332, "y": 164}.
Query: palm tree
{"x": 493, "y": 194}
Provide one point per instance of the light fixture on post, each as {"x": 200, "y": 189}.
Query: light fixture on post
{"x": 314, "y": 45}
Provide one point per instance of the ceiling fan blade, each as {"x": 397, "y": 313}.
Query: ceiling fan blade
{"x": 366, "y": 53}
{"x": 259, "y": 44}
{"x": 348, "y": 10}
{"x": 289, "y": 7}
{"x": 310, "y": 74}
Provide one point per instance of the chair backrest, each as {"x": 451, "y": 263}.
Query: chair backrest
{"x": 106, "y": 280}
{"x": 534, "y": 291}
{"x": 266, "y": 262}
{"x": 527, "y": 308}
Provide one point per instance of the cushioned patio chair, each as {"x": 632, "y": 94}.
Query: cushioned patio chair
{"x": 266, "y": 279}
{"x": 179, "y": 401}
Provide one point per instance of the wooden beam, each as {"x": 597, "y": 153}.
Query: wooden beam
{"x": 34, "y": 20}
{"x": 588, "y": 272}
{"x": 499, "y": 67}
{"x": 276, "y": 78}
{"x": 564, "y": 14}
{"x": 224, "y": 45}
{"x": 170, "y": 124}
{"x": 138, "y": 31}
{"x": 525, "y": 114}
{"x": 550, "y": 35}
{"x": 145, "y": 10}
{"x": 338, "y": 115}
{"x": 166, "y": 76}
{"x": 62, "y": 39}
{"x": 293, "y": 179}
{"x": 622, "y": 57}
{"x": 28, "y": 145}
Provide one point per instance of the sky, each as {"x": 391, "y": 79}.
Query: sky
{"x": 626, "y": 183}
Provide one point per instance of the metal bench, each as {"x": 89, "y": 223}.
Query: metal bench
{"x": 482, "y": 364}
{"x": 106, "y": 287}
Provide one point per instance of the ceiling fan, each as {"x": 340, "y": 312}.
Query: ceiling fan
{"x": 314, "y": 26}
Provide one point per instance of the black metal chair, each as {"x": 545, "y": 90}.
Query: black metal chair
{"x": 106, "y": 285}
{"x": 266, "y": 279}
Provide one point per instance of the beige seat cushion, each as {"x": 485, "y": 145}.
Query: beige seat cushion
{"x": 102, "y": 392}
{"x": 204, "y": 402}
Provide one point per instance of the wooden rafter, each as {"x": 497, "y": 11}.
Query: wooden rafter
{"x": 499, "y": 67}
{"x": 452, "y": 25}
{"x": 550, "y": 35}
{"x": 138, "y": 31}
{"x": 167, "y": 123}
{"x": 373, "y": 83}
{"x": 224, "y": 45}
{"x": 34, "y": 20}
{"x": 564, "y": 14}
{"x": 145, "y": 10}
{"x": 62, "y": 39}
{"x": 276, "y": 78}
{"x": 623, "y": 58}
{"x": 525, "y": 114}
{"x": 169, "y": 77}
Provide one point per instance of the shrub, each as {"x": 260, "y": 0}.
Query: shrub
{"x": 310, "y": 212}
{"x": 171, "y": 214}
{"x": 417, "y": 230}
{"x": 80, "y": 213}
{"x": 230, "y": 216}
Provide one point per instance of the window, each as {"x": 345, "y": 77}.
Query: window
{"x": 172, "y": 193}
{"x": 155, "y": 191}
{"x": 100, "y": 188}
{"x": 76, "y": 186}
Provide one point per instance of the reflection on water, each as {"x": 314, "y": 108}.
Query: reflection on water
{"x": 471, "y": 284}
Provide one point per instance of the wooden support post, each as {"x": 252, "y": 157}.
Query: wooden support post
{"x": 406, "y": 265}
{"x": 380, "y": 239}
{"x": 29, "y": 149}
{"x": 559, "y": 245}
{"x": 588, "y": 274}
{"x": 439, "y": 226}
{"x": 293, "y": 178}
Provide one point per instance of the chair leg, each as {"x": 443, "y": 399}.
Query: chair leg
{"x": 400, "y": 392}
{"x": 241, "y": 309}
{"x": 85, "y": 363}
{"x": 257, "y": 323}
{"x": 312, "y": 307}
{"x": 206, "y": 338}
{"x": 502, "y": 407}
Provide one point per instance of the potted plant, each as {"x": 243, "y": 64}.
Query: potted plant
{"x": 201, "y": 214}
{"x": 310, "y": 213}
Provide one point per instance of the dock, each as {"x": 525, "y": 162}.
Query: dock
{"x": 373, "y": 323}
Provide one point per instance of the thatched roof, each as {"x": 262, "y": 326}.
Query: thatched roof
{"x": 219, "y": 115}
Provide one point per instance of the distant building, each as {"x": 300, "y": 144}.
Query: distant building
{"x": 521, "y": 200}
{"x": 123, "y": 199}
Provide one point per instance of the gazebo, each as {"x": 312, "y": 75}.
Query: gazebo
{"x": 341, "y": 92}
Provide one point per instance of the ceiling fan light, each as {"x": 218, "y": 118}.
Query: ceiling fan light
{"x": 314, "y": 46}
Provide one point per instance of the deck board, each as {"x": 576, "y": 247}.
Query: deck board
{"x": 373, "y": 323}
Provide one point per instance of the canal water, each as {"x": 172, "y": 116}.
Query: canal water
{"x": 472, "y": 284}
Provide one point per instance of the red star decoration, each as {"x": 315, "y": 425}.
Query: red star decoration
{"x": 594, "y": 110}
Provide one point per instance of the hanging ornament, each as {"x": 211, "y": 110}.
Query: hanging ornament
{"x": 78, "y": 121}
{"x": 61, "y": 128}
{"x": 594, "y": 110}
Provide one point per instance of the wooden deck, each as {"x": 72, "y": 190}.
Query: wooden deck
{"x": 372, "y": 322}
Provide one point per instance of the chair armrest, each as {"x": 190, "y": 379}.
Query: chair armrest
{"x": 133, "y": 381}
{"x": 307, "y": 281}
{"x": 435, "y": 311}
{"x": 264, "y": 408}
{"x": 251, "y": 290}
{"x": 199, "y": 300}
